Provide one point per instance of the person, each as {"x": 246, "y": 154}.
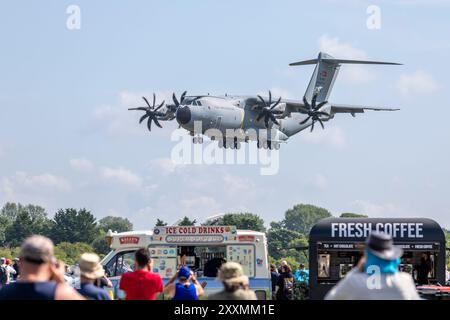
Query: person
{"x": 16, "y": 267}
{"x": 41, "y": 276}
{"x": 284, "y": 288}
{"x": 187, "y": 287}
{"x": 141, "y": 284}
{"x": 90, "y": 271}
{"x": 376, "y": 276}
{"x": 274, "y": 279}
{"x": 103, "y": 282}
{"x": 282, "y": 264}
{"x": 11, "y": 272}
{"x": 3, "y": 272}
{"x": 423, "y": 269}
{"x": 235, "y": 284}
{"x": 302, "y": 274}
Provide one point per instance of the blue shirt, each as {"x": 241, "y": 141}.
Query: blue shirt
{"x": 92, "y": 292}
{"x": 29, "y": 291}
{"x": 185, "y": 293}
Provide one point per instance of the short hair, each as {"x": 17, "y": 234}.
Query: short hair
{"x": 142, "y": 257}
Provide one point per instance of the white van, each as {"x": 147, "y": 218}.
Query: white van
{"x": 202, "y": 248}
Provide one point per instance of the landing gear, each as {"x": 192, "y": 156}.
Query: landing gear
{"x": 271, "y": 145}
{"x": 197, "y": 139}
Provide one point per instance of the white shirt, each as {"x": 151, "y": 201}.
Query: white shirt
{"x": 359, "y": 285}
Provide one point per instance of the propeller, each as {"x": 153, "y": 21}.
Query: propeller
{"x": 176, "y": 103}
{"x": 150, "y": 112}
{"x": 313, "y": 112}
{"x": 267, "y": 111}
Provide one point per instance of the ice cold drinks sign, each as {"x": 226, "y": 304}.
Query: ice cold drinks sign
{"x": 408, "y": 230}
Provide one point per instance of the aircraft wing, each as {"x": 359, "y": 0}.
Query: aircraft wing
{"x": 341, "y": 108}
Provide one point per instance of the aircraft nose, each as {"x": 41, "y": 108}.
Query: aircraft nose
{"x": 183, "y": 115}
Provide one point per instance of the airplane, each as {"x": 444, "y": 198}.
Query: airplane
{"x": 232, "y": 119}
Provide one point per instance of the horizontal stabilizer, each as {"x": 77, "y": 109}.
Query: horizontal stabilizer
{"x": 327, "y": 58}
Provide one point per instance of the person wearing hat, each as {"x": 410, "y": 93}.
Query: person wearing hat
{"x": 10, "y": 270}
{"x": 376, "y": 276}
{"x": 187, "y": 287}
{"x": 235, "y": 284}
{"x": 91, "y": 270}
{"x": 41, "y": 275}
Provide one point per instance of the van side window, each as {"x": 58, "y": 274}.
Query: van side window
{"x": 121, "y": 263}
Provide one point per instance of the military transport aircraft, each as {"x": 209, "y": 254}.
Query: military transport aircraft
{"x": 234, "y": 119}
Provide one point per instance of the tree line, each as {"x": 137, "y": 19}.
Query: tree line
{"x": 73, "y": 231}
{"x": 76, "y": 231}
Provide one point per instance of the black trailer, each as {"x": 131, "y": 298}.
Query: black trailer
{"x": 336, "y": 245}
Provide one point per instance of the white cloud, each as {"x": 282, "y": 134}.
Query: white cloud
{"x": 164, "y": 165}
{"x": 417, "y": 83}
{"x": 332, "y": 136}
{"x": 340, "y": 49}
{"x": 24, "y": 187}
{"x": 46, "y": 180}
{"x": 352, "y": 74}
{"x": 81, "y": 164}
{"x": 122, "y": 175}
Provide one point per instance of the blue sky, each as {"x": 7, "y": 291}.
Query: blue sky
{"x": 67, "y": 140}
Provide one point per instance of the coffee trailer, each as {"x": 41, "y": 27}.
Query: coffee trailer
{"x": 337, "y": 244}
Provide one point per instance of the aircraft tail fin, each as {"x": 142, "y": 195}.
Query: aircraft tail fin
{"x": 325, "y": 73}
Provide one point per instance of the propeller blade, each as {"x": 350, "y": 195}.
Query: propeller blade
{"x": 149, "y": 124}
{"x": 276, "y": 103}
{"x": 143, "y": 117}
{"x": 139, "y": 108}
{"x": 321, "y": 123}
{"x": 266, "y": 121}
{"x": 306, "y": 120}
{"x": 154, "y": 100}
{"x": 274, "y": 120}
{"x": 320, "y": 105}
{"x": 182, "y": 97}
{"x": 145, "y": 99}
{"x": 159, "y": 107}
{"x": 270, "y": 98}
{"x": 313, "y": 101}
{"x": 174, "y": 98}
{"x": 306, "y": 103}
{"x": 157, "y": 122}
{"x": 312, "y": 127}
{"x": 262, "y": 100}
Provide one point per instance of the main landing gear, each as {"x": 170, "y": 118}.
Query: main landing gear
{"x": 267, "y": 144}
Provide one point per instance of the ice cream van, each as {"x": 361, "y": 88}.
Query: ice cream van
{"x": 203, "y": 248}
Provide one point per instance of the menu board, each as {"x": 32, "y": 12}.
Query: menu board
{"x": 245, "y": 256}
{"x": 164, "y": 260}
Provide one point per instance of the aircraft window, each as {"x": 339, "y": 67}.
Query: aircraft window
{"x": 199, "y": 103}
{"x": 195, "y": 103}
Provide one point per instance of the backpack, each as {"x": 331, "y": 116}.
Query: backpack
{"x": 3, "y": 275}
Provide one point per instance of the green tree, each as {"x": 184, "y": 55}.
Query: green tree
{"x": 352, "y": 215}
{"x": 100, "y": 244}
{"x": 302, "y": 217}
{"x": 244, "y": 221}
{"x": 70, "y": 252}
{"x": 281, "y": 243}
{"x": 70, "y": 225}
{"x": 19, "y": 222}
{"x": 118, "y": 224}
{"x": 187, "y": 222}
{"x": 160, "y": 223}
